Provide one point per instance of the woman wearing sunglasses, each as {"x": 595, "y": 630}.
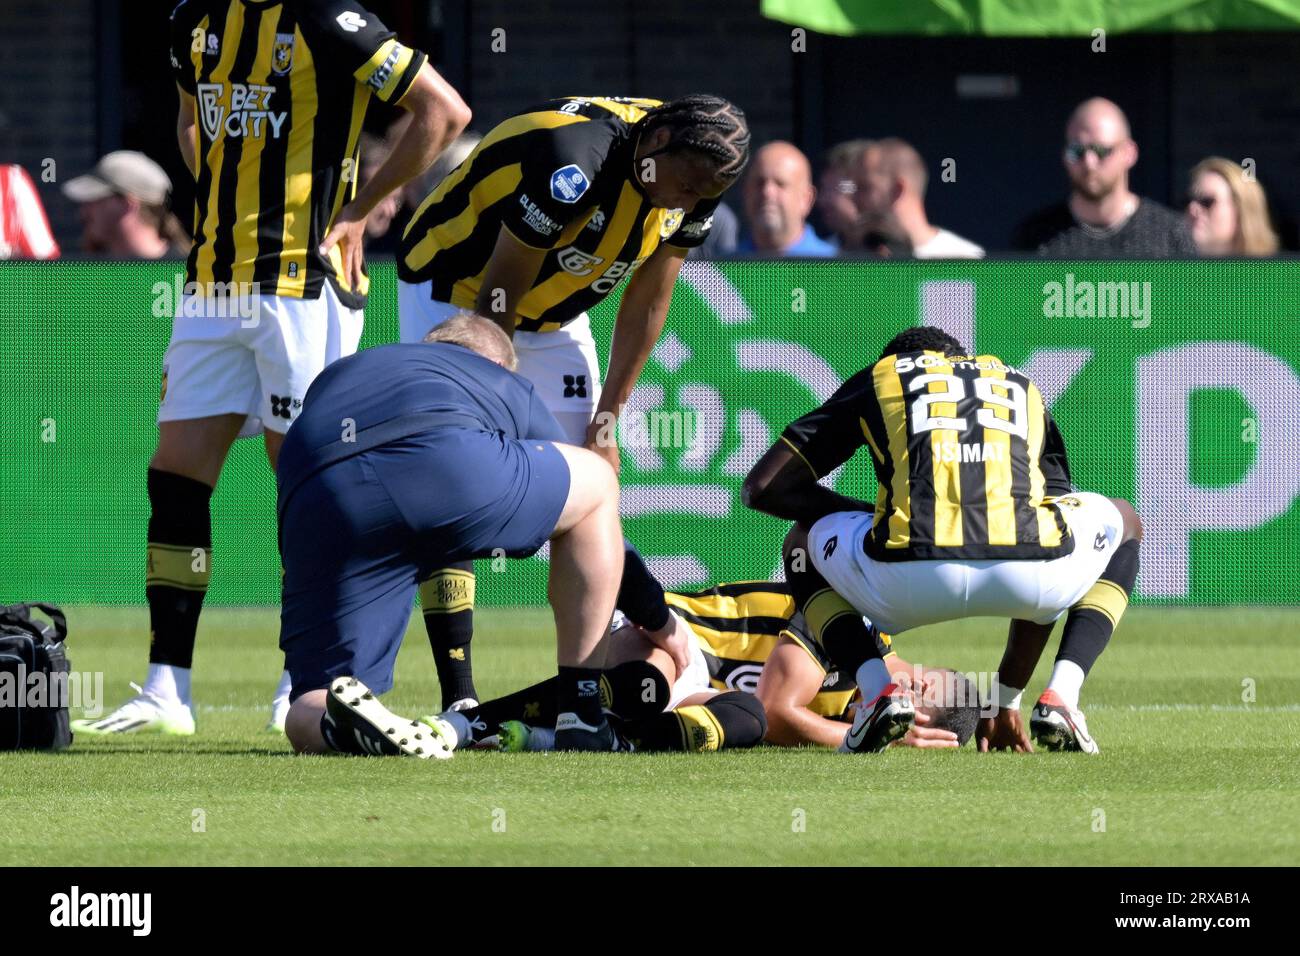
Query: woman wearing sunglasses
{"x": 1227, "y": 211}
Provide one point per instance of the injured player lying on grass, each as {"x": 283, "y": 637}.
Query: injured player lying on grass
{"x": 751, "y": 672}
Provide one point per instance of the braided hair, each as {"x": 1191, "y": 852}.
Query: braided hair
{"x": 923, "y": 338}
{"x": 708, "y": 125}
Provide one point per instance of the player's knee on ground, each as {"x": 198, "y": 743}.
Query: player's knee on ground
{"x": 302, "y": 724}
{"x": 634, "y": 689}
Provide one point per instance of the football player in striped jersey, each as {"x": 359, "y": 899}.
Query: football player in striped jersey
{"x": 753, "y": 673}
{"x": 975, "y": 516}
{"x": 552, "y": 210}
{"x": 272, "y": 100}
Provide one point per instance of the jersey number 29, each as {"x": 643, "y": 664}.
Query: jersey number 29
{"x": 1015, "y": 401}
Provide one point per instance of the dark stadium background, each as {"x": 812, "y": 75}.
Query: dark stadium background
{"x": 81, "y": 77}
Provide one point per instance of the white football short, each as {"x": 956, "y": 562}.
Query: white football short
{"x": 693, "y": 680}
{"x": 258, "y": 364}
{"x": 900, "y": 595}
{"x": 562, "y": 365}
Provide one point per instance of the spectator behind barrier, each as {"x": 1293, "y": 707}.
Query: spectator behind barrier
{"x": 1227, "y": 211}
{"x": 779, "y": 196}
{"x": 1103, "y": 218}
{"x": 835, "y": 196}
{"x": 890, "y": 197}
{"x": 123, "y": 203}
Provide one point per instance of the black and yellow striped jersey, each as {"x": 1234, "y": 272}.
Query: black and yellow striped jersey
{"x": 968, "y": 459}
{"x": 281, "y": 90}
{"x": 562, "y": 177}
{"x": 739, "y": 625}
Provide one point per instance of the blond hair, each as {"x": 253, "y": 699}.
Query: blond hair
{"x": 471, "y": 331}
{"x": 1255, "y": 234}
{"x": 899, "y": 158}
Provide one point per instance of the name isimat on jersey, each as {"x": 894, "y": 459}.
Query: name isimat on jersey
{"x": 951, "y": 451}
{"x": 905, "y": 363}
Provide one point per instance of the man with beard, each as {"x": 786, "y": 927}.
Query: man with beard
{"x": 779, "y": 196}
{"x": 1103, "y": 218}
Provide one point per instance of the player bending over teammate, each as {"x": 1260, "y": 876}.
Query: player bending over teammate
{"x": 553, "y": 209}
{"x": 744, "y": 639}
{"x": 974, "y": 516}
{"x": 359, "y": 527}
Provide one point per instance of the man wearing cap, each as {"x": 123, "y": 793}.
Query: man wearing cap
{"x": 123, "y": 206}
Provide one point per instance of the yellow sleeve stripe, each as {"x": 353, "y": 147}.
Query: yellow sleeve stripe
{"x": 794, "y": 448}
{"x": 385, "y": 68}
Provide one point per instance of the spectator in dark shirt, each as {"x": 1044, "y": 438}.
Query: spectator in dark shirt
{"x": 1103, "y": 218}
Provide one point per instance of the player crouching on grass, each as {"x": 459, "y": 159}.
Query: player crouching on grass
{"x": 406, "y": 458}
{"x": 975, "y": 517}
{"x": 751, "y": 672}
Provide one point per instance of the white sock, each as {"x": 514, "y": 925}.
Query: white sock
{"x": 282, "y": 690}
{"x": 1067, "y": 681}
{"x": 169, "y": 684}
{"x": 873, "y": 677}
{"x": 460, "y": 723}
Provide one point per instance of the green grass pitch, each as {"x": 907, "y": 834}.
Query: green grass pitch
{"x": 1189, "y": 773}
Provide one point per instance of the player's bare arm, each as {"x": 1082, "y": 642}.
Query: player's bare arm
{"x": 186, "y": 130}
{"x": 439, "y": 115}
{"x": 641, "y": 317}
{"x": 509, "y": 275}
{"x": 783, "y": 485}
{"x": 790, "y": 680}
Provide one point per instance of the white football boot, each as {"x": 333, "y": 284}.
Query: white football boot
{"x": 142, "y": 714}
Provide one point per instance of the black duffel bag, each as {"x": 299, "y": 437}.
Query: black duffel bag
{"x": 31, "y": 646}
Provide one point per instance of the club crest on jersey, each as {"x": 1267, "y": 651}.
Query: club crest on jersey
{"x": 672, "y": 219}
{"x": 568, "y": 183}
{"x": 282, "y": 54}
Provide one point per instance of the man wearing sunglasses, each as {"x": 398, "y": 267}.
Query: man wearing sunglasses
{"x": 1103, "y": 218}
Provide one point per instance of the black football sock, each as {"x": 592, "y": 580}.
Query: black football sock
{"x": 634, "y": 689}
{"x": 1093, "y": 620}
{"x": 732, "y": 720}
{"x": 447, "y": 601}
{"x": 831, "y": 621}
{"x": 180, "y": 564}
{"x": 578, "y": 697}
{"x": 533, "y": 705}
{"x": 640, "y": 596}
